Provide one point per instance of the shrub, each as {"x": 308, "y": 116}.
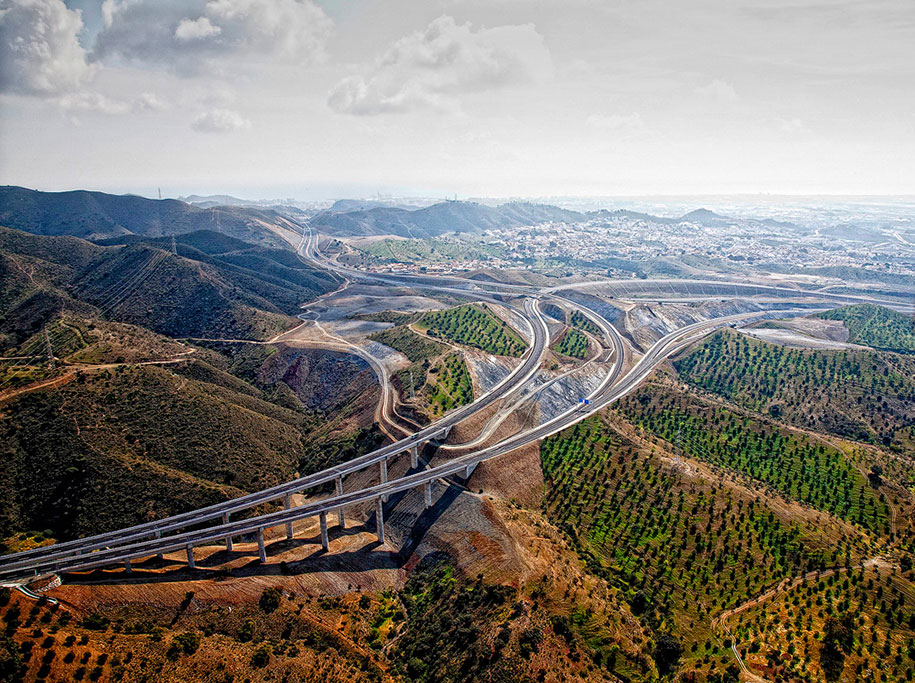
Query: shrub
{"x": 261, "y": 656}
{"x": 183, "y": 644}
{"x": 246, "y": 632}
{"x": 667, "y": 653}
{"x": 270, "y": 599}
{"x": 96, "y": 622}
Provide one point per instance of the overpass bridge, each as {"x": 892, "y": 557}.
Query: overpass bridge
{"x": 176, "y": 533}
{"x": 529, "y": 366}
{"x": 132, "y": 545}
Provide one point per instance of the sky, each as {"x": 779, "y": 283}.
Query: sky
{"x": 497, "y": 98}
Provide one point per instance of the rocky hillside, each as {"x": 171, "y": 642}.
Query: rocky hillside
{"x": 173, "y": 437}
{"x": 215, "y": 286}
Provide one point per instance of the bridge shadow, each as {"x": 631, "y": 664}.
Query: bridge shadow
{"x": 366, "y": 558}
{"x": 370, "y": 556}
{"x": 420, "y": 527}
{"x": 425, "y": 521}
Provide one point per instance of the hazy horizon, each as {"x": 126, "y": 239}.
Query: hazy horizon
{"x": 307, "y": 194}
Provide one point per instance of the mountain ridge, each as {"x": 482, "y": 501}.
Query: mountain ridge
{"x": 99, "y": 215}
{"x": 434, "y": 220}
{"x": 237, "y": 290}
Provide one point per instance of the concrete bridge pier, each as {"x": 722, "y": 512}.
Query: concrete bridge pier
{"x": 190, "y": 557}
{"x": 287, "y": 503}
{"x": 324, "y": 540}
{"x": 427, "y": 494}
{"x": 127, "y": 567}
{"x": 160, "y": 556}
{"x": 341, "y": 518}
{"x": 414, "y": 457}
{"x": 261, "y": 550}
{"x": 225, "y": 520}
{"x": 384, "y": 475}
{"x": 379, "y": 519}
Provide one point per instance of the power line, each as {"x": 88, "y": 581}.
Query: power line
{"x": 116, "y": 288}
{"x": 49, "y": 349}
{"x": 118, "y": 293}
{"x": 35, "y": 354}
{"x": 125, "y": 292}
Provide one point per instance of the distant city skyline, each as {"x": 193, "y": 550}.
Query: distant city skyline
{"x": 318, "y": 99}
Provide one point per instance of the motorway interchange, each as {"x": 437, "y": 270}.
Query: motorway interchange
{"x": 183, "y": 533}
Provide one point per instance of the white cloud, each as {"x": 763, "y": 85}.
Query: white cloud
{"x": 191, "y": 36}
{"x": 93, "y": 102}
{"x": 427, "y": 69}
{"x": 719, "y": 91}
{"x": 109, "y": 7}
{"x": 40, "y": 53}
{"x": 220, "y": 121}
{"x": 148, "y": 101}
{"x": 216, "y": 95}
{"x": 90, "y": 101}
{"x": 195, "y": 29}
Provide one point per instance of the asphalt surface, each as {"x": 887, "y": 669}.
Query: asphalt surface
{"x": 608, "y": 392}
{"x": 31, "y": 560}
{"x": 164, "y": 536}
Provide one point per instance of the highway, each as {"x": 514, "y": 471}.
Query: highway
{"x": 648, "y": 288}
{"x": 617, "y": 351}
{"x": 605, "y": 394}
{"x": 539, "y": 335}
{"x": 526, "y": 369}
{"x": 169, "y": 535}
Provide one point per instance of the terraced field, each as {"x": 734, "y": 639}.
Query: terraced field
{"x": 442, "y": 380}
{"x": 473, "y": 325}
{"x": 863, "y": 395}
{"x": 680, "y": 548}
{"x": 449, "y": 385}
{"x": 428, "y": 250}
{"x": 578, "y": 319}
{"x": 414, "y": 346}
{"x": 797, "y": 466}
{"x": 866, "y": 617}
